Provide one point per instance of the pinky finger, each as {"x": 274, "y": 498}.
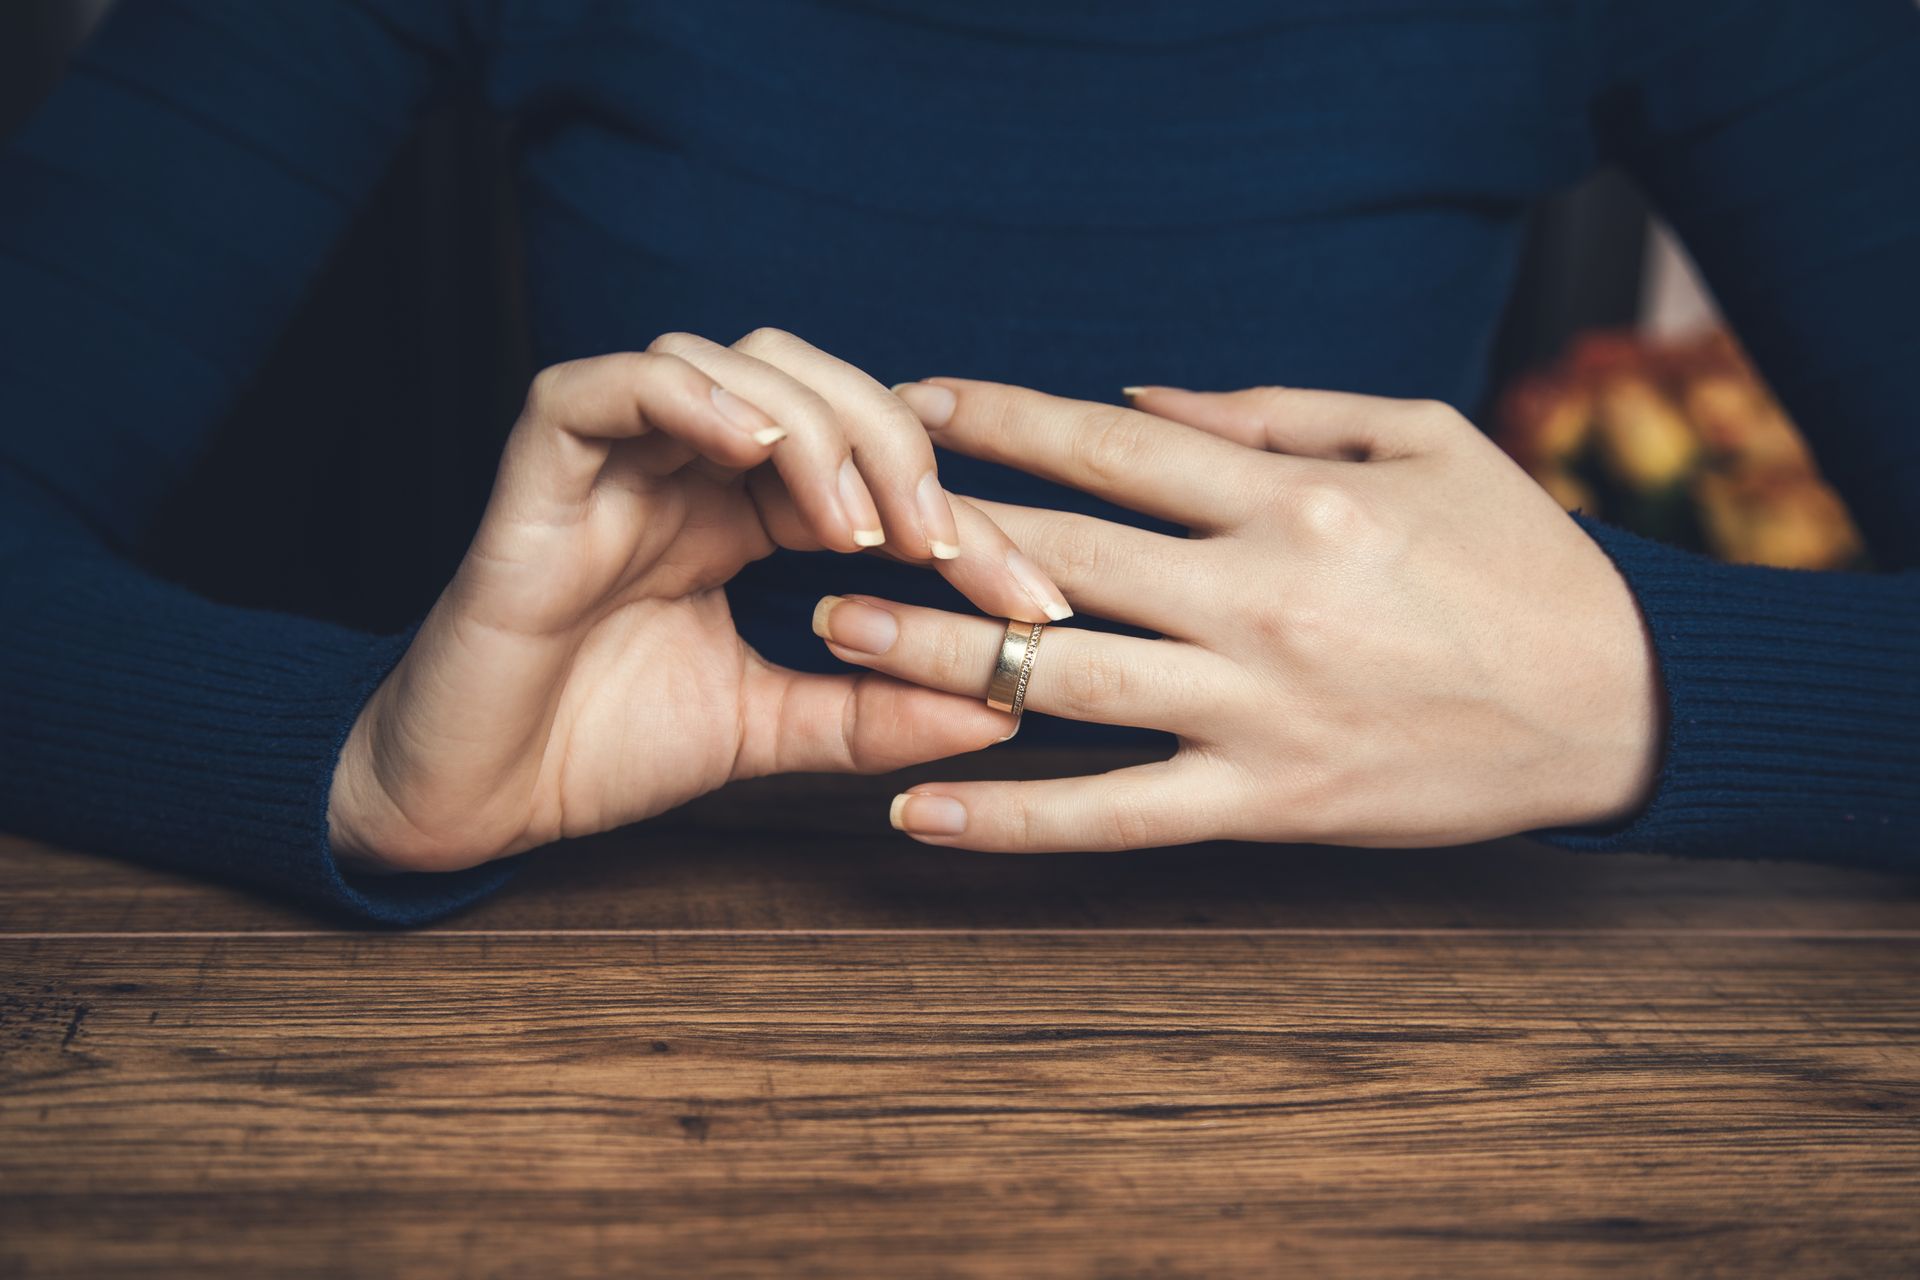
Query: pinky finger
{"x": 1140, "y": 807}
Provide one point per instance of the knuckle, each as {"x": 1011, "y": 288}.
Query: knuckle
{"x": 544, "y": 390}
{"x": 1080, "y": 555}
{"x": 1092, "y": 684}
{"x": 1107, "y": 447}
{"x": 647, "y": 366}
{"x": 1437, "y": 416}
{"x": 1130, "y": 821}
{"x": 852, "y": 712}
{"x": 886, "y": 425}
{"x": 946, "y": 659}
{"x": 1021, "y": 827}
{"x": 1328, "y": 510}
{"x": 656, "y": 379}
{"x": 673, "y": 343}
{"x": 766, "y": 338}
{"x": 809, "y": 408}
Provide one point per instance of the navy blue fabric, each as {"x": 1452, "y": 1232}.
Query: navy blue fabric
{"x": 1074, "y": 196}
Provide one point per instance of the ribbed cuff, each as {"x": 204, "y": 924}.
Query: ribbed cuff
{"x": 1793, "y": 701}
{"x": 140, "y": 720}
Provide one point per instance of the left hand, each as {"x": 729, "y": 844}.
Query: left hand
{"x": 1381, "y": 631}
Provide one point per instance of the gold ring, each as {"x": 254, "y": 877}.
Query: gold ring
{"x": 1007, "y": 691}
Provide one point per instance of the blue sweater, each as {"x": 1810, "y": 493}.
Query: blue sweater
{"x": 1073, "y": 195}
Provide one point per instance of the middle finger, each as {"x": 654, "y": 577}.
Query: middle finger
{"x": 1148, "y": 464}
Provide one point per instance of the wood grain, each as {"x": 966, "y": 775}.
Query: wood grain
{"x": 1148, "y": 1105}
{"x": 766, "y": 1037}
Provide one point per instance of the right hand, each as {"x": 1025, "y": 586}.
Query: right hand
{"x": 582, "y": 670}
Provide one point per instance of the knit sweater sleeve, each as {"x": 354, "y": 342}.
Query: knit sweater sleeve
{"x": 1779, "y": 138}
{"x": 159, "y": 219}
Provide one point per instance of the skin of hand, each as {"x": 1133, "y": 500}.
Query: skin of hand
{"x": 582, "y": 669}
{"x": 1380, "y": 631}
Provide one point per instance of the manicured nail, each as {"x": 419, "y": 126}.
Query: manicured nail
{"x": 943, "y": 538}
{"x": 927, "y": 815}
{"x": 934, "y": 405}
{"x": 862, "y": 515}
{"x": 1040, "y": 587}
{"x": 855, "y": 625}
{"x": 744, "y": 416}
{"x": 1131, "y": 392}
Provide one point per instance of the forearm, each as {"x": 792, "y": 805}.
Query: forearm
{"x": 141, "y": 720}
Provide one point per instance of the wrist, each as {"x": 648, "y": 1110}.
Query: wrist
{"x": 1619, "y": 765}
{"x": 349, "y": 804}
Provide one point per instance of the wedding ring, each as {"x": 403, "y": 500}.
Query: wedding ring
{"x": 1007, "y": 690}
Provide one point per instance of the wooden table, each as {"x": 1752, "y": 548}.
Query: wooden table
{"x": 766, "y": 1035}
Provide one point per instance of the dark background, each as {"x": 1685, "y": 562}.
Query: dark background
{"x": 363, "y": 451}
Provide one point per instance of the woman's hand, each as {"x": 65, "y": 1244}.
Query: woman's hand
{"x": 582, "y": 670}
{"x": 1380, "y": 633}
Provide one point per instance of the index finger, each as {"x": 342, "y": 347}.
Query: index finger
{"x": 1148, "y": 464}
{"x": 576, "y": 411}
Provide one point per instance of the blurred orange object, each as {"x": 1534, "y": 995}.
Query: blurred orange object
{"x": 1544, "y": 419}
{"x": 1776, "y": 518}
{"x": 1644, "y": 440}
{"x": 1681, "y": 441}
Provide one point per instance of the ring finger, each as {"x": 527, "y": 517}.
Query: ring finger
{"x": 1078, "y": 674}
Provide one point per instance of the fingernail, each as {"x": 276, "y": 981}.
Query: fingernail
{"x": 927, "y": 815}
{"x": 933, "y": 405}
{"x": 1131, "y": 392}
{"x": 855, "y": 625}
{"x": 744, "y": 416}
{"x": 943, "y": 537}
{"x": 1037, "y": 585}
{"x": 862, "y": 515}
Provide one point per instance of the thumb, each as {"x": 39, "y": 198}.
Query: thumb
{"x": 1339, "y": 425}
{"x": 797, "y": 722}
